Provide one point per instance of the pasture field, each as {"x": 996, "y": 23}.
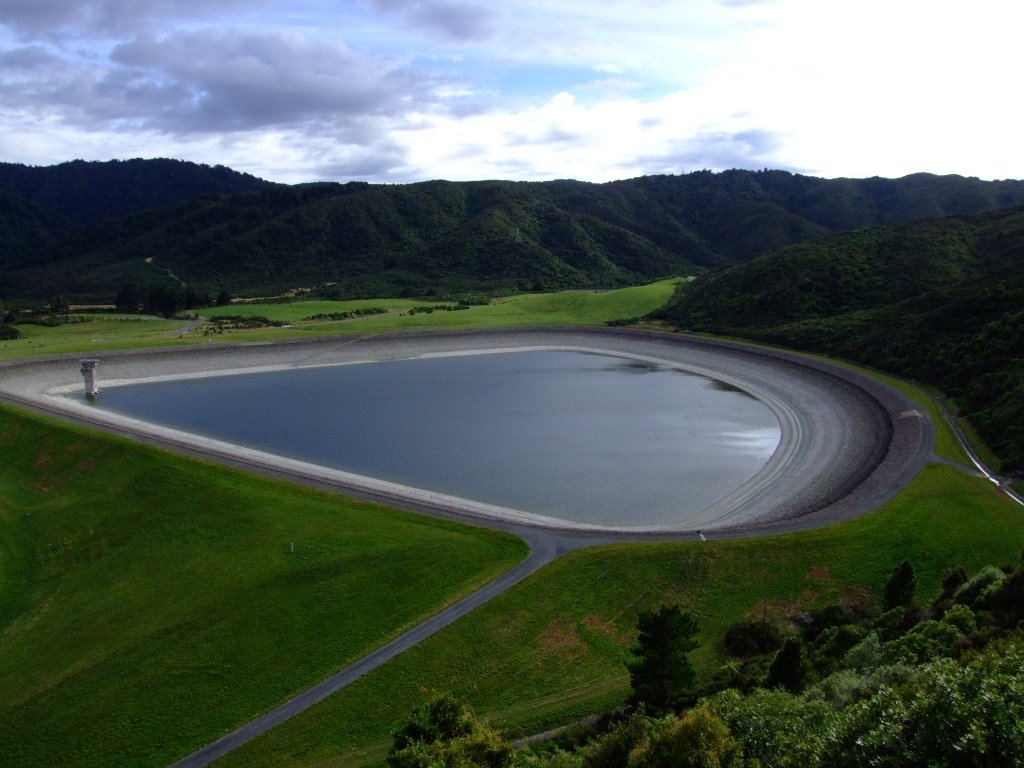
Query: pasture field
{"x": 553, "y": 648}
{"x": 103, "y": 332}
{"x": 150, "y": 602}
{"x": 563, "y": 308}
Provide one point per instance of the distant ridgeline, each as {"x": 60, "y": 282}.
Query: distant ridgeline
{"x": 941, "y": 301}
{"x": 86, "y": 230}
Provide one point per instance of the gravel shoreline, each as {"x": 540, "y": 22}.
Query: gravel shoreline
{"x": 848, "y": 443}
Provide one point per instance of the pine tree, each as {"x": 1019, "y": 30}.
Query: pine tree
{"x": 662, "y": 669}
{"x": 900, "y": 589}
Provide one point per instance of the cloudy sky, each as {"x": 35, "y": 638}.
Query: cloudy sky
{"x": 406, "y": 90}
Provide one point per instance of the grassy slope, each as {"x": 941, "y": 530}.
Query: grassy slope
{"x": 553, "y": 647}
{"x": 150, "y": 602}
{"x": 567, "y": 307}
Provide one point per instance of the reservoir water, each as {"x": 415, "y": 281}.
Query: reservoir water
{"x": 578, "y": 436}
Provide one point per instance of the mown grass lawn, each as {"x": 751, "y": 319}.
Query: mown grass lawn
{"x": 151, "y": 602}
{"x": 552, "y": 649}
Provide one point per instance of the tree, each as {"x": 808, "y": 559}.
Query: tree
{"x": 661, "y": 669}
{"x": 900, "y": 589}
{"x": 130, "y": 298}
{"x": 440, "y": 719}
{"x": 613, "y": 748}
{"x": 696, "y": 739}
{"x": 59, "y": 304}
{"x": 442, "y": 732}
{"x": 789, "y": 668}
{"x": 945, "y": 714}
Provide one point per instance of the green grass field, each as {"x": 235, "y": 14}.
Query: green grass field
{"x": 565, "y": 308}
{"x": 553, "y": 648}
{"x": 103, "y": 333}
{"x": 150, "y": 602}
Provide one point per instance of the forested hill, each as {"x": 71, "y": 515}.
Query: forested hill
{"x": 941, "y": 301}
{"x": 42, "y": 206}
{"x": 434, "y": 236}
{"x": 85, "y": 193}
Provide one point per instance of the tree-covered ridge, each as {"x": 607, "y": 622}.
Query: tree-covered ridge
{"x": 444, "y": 236}
{"x": 43, "y": 206}
{"x": 940, "y": 301}
{"x": 87, "y": 192}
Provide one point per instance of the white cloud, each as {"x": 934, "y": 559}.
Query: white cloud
{"x": 392, "y": 90}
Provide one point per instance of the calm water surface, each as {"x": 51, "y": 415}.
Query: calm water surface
{"x": 583, "y": 437}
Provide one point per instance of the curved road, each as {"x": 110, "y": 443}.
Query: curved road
{"x": 848, "y": 444}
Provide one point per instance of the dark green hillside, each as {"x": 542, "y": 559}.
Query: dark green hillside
{"x": 53, "y": 202}
{"x": 941, "y": 301}
{"x": 415, "y": 239}
{"x": 432, "y": 237}
{"x": 88, "y": 192}
{"x": 28, "y": 228}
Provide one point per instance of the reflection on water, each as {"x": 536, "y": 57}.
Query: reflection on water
{"x": 572, "y": 435}
{"x": 633, "y": 366}
{"x": 751, "y": 440}
{"x": 724, "y": 386}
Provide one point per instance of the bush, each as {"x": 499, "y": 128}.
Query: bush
{"x": 612, "y": 750}
{"x": 696, "y": 739}
{"x": 865, "y": 655}
{"x": 961, "y": 617}
{"x": 972, "y": 589}
{"x": 944, "y": 714}
{"x": 752, "y": 638}
{"x": 775, "y": 728}
{"x": 440, "y": 719}
{"x": 9, "y": 332}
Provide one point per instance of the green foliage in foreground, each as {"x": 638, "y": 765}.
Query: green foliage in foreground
{"x": 554, "y": 648}
{"x": 938, "y": 684}
{"x": 941, "y": 713}
{"x": 878, "y": 707}
{"x": 150, "y": 602}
